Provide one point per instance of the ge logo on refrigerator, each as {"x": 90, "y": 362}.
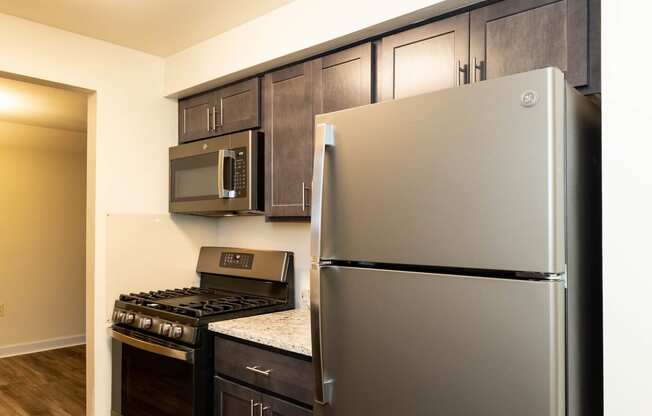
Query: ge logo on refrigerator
{"x": 529, "y": 98}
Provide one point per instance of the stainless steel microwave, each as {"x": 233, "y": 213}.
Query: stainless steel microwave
{"x": 218, "y": 177}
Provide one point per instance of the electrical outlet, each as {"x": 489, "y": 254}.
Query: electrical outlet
{"x": 304, "y": 298}
{"x": 2, "y": 310}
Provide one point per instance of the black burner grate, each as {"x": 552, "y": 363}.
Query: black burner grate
{"x": 198, "y": 302}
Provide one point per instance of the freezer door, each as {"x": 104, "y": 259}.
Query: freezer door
{"x": 404, "y": 343}
{"x": 470, "y": 177}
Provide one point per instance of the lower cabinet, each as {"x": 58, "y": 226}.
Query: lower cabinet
{"x": 254, "y": 380}
{"x": 278, "y": 407}
{"x": 234, "y": 399}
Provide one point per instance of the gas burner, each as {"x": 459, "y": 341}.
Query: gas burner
{"x": 197, "y": 302}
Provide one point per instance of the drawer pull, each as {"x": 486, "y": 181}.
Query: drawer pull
{"x": 257, "y": 370}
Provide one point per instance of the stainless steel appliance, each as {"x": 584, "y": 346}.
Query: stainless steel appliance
{"x": 456, "y": 265}
{"x": 162, "y": 354}
{"x": 219, "y": 176}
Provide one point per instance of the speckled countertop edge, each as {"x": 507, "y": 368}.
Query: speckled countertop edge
{"x": 286, "y": 330}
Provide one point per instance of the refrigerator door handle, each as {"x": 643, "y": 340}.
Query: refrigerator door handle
{"x": 324, "y": 137}
{"x": 323, "y": 386}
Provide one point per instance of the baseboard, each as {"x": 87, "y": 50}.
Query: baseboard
{"x": 44, "y": 345}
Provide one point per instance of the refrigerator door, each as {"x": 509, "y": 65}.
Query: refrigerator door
{"x": 405, "y": 343}
{"x": 470, "y": 177}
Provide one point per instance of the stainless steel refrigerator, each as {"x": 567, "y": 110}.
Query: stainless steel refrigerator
{"x": 456, "y": 256}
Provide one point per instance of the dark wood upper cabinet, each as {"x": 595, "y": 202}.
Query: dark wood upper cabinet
{"x": 195, "y": 117}
{"x": 226, "y": 110}
{"x": 238, "y": 107}
{"x": 234, "y": 400}
{"x": 514, "y": 36}
{"x": 343, "y": 79}
{"x": 292, "y": 96}
{"x": 277, "y": 407}
{"x": 424, "y": 59}
{"x": 288, "y": 124}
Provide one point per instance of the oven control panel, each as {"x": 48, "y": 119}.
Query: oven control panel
{"x": 237, "y": 260}
{"x": 240, "y": 174}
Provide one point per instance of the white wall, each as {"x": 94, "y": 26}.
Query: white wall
{"x": 42, "y": 255}
{"x": 295, "y": 31}
{"x": 627, "y": 200}
{"x": 158, "y": 251}
{"x": 130, "y": 129}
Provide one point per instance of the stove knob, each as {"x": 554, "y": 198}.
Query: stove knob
{"x": 177, "y": 332}
{"x": 146, "y": 323}
{"x": 120, "y": 317}
{"x": 129, "y": 318}
{"x": 165, "y": 329}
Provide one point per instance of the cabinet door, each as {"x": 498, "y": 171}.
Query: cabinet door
{"x": 514, "y": 36}
{"x": 424, "y": 59}
{"x": 277, "y": 407}
{"x": 343, "y": 79}
{"x": 237, "y": 107}
{"x": 195, "y": 117}
{"x": 235, "y": 400}
{"x": 289, "y": 119}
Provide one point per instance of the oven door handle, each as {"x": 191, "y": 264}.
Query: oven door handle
{"x": 187, "y": 356}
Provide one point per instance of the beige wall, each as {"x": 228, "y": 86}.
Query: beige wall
{"x": 130, "y": 129}
{"x": 42, "y": 200}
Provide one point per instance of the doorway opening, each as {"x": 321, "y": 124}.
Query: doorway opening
{"x": 43, "y": 196}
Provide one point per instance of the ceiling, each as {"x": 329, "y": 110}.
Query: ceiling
{"x": 43, "y": 106}
{"x": 158, "y": 27}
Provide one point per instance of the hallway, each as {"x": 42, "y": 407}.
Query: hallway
{"x": 44, "y": 383}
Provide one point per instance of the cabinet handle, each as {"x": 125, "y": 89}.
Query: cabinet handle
{"x": 208, "y": 119}
{"x": 215, "y": 125}
{"x": 221, "y": 112}
{"x": 304, "y": 200}
{"x": 257, "y": 370}
{"x": 461, "y": 72}
{"x": 477, "y": 67}
{"x": 264, "y": 409}
{"x": 253, "y": 406}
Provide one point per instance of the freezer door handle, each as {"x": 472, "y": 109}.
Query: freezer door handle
{"x": 324, "y": 138}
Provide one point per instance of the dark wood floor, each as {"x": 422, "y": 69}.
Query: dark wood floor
{"x": 44, "y": 383}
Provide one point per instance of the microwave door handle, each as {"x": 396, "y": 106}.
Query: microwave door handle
{"x": 324, "y": 138}
{"x": 222, "y": 154}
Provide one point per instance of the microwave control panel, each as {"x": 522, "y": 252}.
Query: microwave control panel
{"x": 240, "y": 176}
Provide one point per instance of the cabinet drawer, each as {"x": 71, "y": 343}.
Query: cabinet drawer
{"x": 286, "y": 375}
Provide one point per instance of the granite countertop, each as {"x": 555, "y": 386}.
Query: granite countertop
{"x": 286, "y": 330}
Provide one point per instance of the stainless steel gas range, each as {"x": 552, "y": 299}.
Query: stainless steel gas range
{"x": 162, "y": 354}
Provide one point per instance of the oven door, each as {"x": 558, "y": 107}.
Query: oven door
{"x": 153, "y": 377}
